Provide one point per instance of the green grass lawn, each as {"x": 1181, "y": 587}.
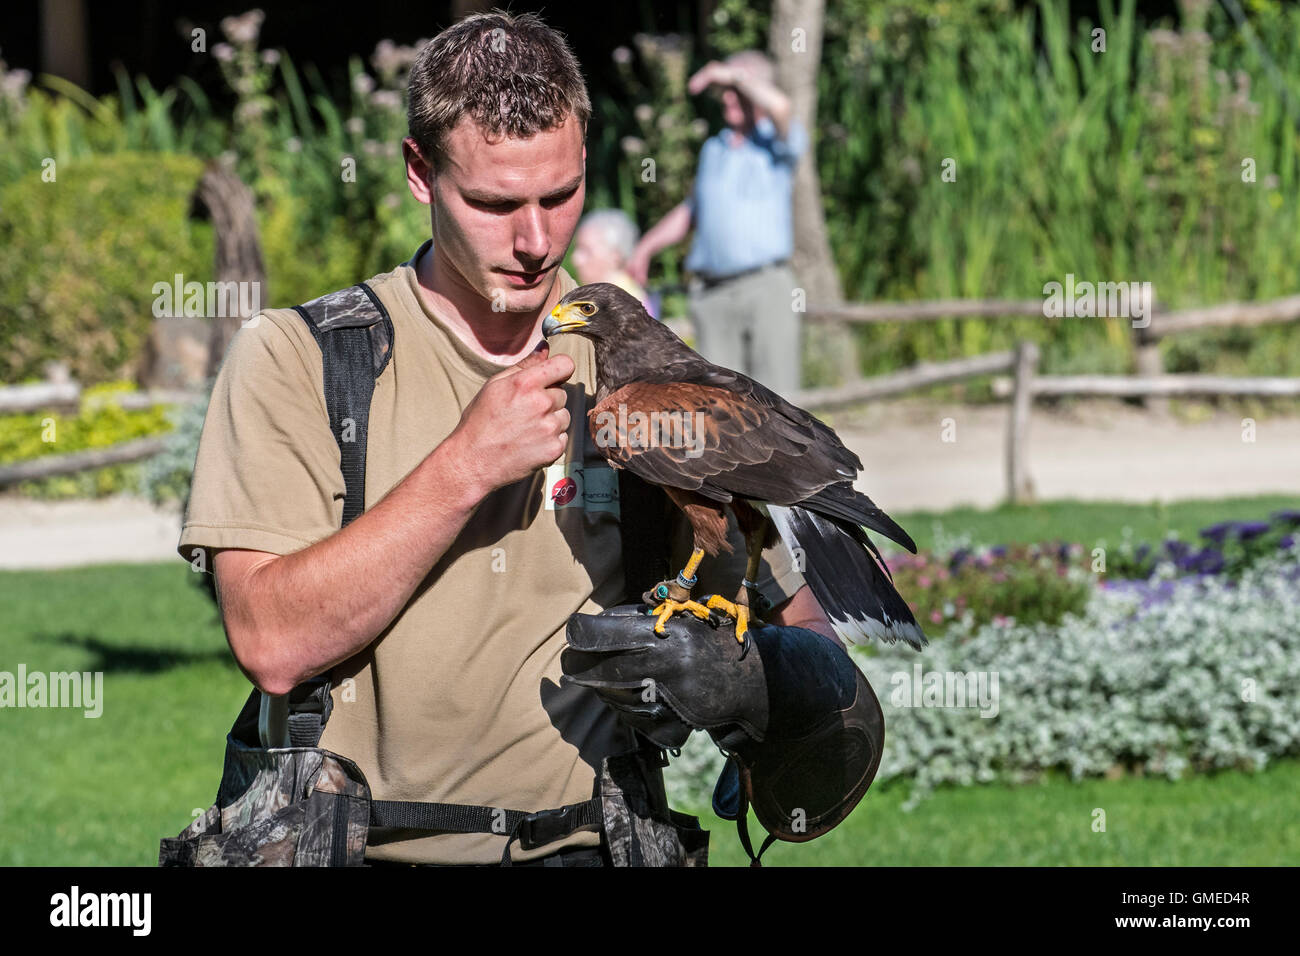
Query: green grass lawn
{"x": 97, "y": 791}
{"x": 1088, "y": 522}
{"x": 1223, "y": 819}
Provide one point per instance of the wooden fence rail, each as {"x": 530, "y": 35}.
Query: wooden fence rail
{"x": 49, "y": 466}
{"x": 1122, "y": 386}
{"x": 67, "y": 396}
{"x": 895, "y": 383}
{"x": 1162, "y": 322}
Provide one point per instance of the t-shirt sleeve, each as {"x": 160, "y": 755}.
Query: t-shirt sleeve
{"x": 267, "y": 475}
{"x": 789, "y": 150}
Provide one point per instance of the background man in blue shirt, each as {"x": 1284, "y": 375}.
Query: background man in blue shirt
{"x": 741, "y": 299}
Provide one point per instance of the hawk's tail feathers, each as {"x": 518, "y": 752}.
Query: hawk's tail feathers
{"x": 852, "y": 587}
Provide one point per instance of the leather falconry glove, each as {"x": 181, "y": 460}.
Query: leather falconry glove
{"x": 801, "y": 726}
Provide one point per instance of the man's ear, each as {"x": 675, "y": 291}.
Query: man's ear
{"x": 419, "y": 174}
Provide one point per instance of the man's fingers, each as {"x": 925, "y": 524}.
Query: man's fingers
{"x": 555, "y": 369}
{"x": 559, "y": 398}
{"x": 534, "y": 358}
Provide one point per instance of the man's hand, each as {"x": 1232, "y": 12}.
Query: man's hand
{"x": 766, "y": 98}
{"x": 712, "y": 73}
{"x": 517, "y": 423}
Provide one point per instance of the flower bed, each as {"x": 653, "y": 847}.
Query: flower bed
{"x": 1201, "y": 679}
{"x": 996, "y": 585}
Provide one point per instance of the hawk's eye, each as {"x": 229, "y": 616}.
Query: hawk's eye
{"x": 587, "y": 309}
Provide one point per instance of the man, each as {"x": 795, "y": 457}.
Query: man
{"x": 740, "y": 209}
{"x": 440, "y": 611}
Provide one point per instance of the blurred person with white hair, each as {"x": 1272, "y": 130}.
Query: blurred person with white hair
{"x": 605, "y": 241}
{"x": 740, "y": 209}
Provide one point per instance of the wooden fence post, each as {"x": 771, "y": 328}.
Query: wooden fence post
{"x": 1020, "y": 487}
{"x": 1146, "y": 356}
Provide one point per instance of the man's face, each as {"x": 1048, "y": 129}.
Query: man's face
{"x": 593, "y": 257}
{"x": 737, "y": 112}
{"x": 505, "y": 211}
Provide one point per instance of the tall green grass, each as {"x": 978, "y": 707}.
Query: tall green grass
{"x": 1123, "y": 165}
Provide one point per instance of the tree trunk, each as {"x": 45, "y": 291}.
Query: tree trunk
{"x": 795, "y": 42}
{"x": 229, "y": 203}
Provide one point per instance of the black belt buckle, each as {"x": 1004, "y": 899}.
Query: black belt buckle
{"x": 546, "y": 826}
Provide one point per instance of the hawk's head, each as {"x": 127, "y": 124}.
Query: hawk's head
{"x": 600, "y": 311}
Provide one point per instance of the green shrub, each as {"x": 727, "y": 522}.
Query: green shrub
{"x": 79, "y": 257}
{"x": 99, "y": 423}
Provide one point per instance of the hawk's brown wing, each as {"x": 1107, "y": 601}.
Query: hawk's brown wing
{"x": 717, "y": 441}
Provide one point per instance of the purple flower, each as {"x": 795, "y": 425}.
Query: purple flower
{"x": 1217, "y": 532}
{"x": 1287, "y": 518}
{"x": 1246, "y": 530}
{"x": 1210, "y": 562}
{"x": 999, "y": 552}
{"x": 1287, "y": 541}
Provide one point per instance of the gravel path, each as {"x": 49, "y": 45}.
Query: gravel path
{"x": 1091, "y": 452}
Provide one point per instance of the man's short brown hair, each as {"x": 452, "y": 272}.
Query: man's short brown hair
{"x": 512, "y": 74}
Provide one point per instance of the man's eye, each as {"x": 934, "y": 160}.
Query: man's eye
{"x": 551, "y": 202}
{"x": 492, "y": 206}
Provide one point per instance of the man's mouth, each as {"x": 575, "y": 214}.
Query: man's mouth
{"x": 524, "y": 279}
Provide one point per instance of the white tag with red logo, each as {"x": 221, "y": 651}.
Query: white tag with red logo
{"x": 594, "y": 487}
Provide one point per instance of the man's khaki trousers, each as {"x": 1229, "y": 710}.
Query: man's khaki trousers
{"x": 748, "y": 324}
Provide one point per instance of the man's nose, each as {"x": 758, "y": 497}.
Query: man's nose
{"x": 531, "y": 238}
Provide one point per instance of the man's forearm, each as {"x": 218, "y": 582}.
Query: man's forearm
{"x": 670, "y": 230}
{"x": 298, "y": 615}
{"x": 769, "y": 98}
{"x": 804, "y": 610}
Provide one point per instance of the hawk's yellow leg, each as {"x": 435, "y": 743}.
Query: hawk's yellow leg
{"x": 679, "y": 594}
{"x": 739, "y": 609}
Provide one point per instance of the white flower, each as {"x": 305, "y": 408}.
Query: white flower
{"x": 243, "y": 29}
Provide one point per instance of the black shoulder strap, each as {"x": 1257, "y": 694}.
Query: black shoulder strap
{"x": 355, "y": 335}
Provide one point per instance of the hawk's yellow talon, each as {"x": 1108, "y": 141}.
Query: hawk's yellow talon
{"x": 666, "y": 610}
{"x": 737, "y": 611}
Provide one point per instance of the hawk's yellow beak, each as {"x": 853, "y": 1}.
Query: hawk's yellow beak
{"x": 563, "y": 318}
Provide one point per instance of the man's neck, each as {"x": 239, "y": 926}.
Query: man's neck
{"x": 500, "y": 337}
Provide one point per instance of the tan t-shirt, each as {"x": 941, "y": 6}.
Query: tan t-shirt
{"x": 459, "y": 699}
